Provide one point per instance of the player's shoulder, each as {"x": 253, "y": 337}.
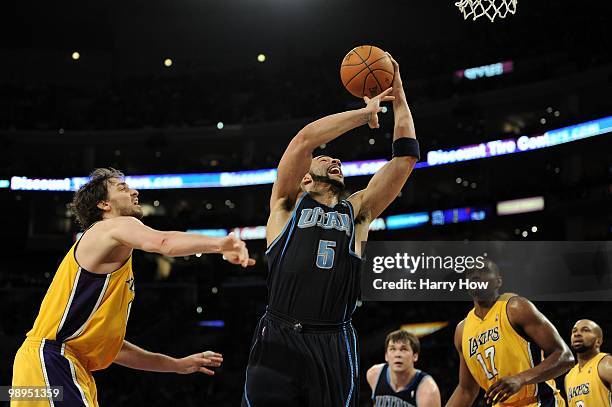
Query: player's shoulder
{"x": 355, "y": 197}
{"x": 427, "y": 384}
{"x": 604, "y": 369}
{"x": 120, "y": 221}
{"x": 374, "y": 372}
{"x": 517, "y": 305}
{"x": 376, "y": 368}
{"x": 459, "y": 334}
{"x": 460, "y": 326}
{"x": 605, "y": 362}
{"x": 289, "y": 203}
{"x": 111, "y": 227}
{"x": 521, "y": 312}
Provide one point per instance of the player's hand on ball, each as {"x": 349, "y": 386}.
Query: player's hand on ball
{"x": 397, "y": 79}
{"x": 234, "y": 250}
{"x": 502, "y": 389}
{"x": 198, "y": 363}
{"x": 373, "y": 106}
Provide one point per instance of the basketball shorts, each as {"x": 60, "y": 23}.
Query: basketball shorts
{"x": 49, "y": 363}
{"x": 297, "y": 364}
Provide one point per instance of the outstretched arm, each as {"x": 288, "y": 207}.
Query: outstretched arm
{"x": 387, "y": 183}
{"x": 131, "y": 232}
{"x": 526, "y": 318}
{"x": 295, "y": 161}
{"x": 134, "y": 357}
{"x": 467, "y": 390}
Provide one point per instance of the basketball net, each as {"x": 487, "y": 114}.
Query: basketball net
{"x": 490, "y": 8}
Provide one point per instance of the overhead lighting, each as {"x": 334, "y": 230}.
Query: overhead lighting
{"x": 167, "y": 62}
{"x": 76, "y": 55}
{"x": 261, "y": 58}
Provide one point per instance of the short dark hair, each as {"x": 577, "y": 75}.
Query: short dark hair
{"x": 405, "y": 337}
{"x": 86, "y": 199}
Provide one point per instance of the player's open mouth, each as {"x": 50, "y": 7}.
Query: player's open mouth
{"x": 334, "y": 170}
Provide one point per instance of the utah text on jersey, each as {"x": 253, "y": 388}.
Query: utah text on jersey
{"x": 310, "y": 217}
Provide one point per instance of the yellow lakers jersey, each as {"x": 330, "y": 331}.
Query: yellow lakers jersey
{"x": 493, "y": 349}
{"x": 86, "y": 311}
{"x": 584, "y": 387}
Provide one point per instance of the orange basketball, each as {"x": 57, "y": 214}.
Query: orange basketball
{"x": 366, "y": 71}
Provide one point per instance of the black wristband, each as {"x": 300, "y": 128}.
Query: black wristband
{"x": 406, "y": 147}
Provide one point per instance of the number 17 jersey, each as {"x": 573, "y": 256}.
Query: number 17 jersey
{"x": 313, "y": 268}
{"x": 492, "y": 349}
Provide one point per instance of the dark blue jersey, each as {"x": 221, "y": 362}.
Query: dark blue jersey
{"x": 313, "y": 268}
{"x": 384, "y": 396}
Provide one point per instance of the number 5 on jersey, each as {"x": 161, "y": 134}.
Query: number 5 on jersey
{"x": 326, "y": 254}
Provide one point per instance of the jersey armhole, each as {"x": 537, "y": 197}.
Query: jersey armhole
{"x": 102, "y": 275}
{"x": 382, "y": 368}
{"x": 599, "y": 377}
{"x": 352, "y": 240}
{"x": 289, "y": 221}
{"x": 424, "y": 377}
{"x": 510, "y": 323}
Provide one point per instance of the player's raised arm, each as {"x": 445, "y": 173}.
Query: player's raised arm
{"x": 467, "y": 390}
{"x": 131, "y": 232}
{"x": 296, "y": 159}
{"x": 526, "y": 318}
{"x": 387, "y": 183}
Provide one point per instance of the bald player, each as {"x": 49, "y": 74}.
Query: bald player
{"x": 82, "y": 320}
{"x": 589, "y": 383}
{"x": 507, "y": 348}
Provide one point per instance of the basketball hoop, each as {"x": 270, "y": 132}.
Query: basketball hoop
{"x": 490, "y": 8}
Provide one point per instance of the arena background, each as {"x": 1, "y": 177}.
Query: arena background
{"x": 119, "y": 105}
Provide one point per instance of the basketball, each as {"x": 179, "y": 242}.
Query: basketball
{"x": 366, "y": 71}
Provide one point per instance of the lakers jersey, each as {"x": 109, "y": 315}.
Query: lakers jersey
{"x": 493, "y": 349}
{"x": 87, "y": 312}
{"x": 584, "y": 387}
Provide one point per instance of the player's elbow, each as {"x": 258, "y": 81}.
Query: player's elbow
{"x": 468, "y": 389}
{"x": 163, "y": 244}
{"x": 405, "y": 163}
{"x": 303, "y": 139}
{"x": 566, "y": 359}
